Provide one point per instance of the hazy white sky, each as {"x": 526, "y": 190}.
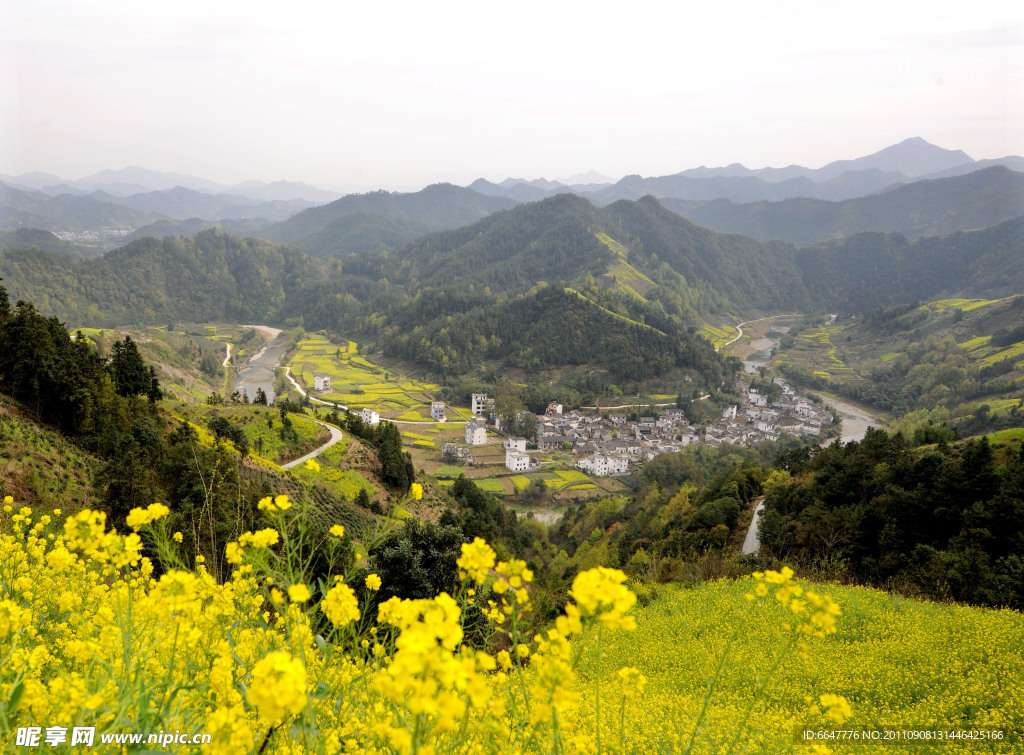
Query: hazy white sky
{"x": 398, "y": 94}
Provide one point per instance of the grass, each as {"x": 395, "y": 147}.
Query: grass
{"x": 1013, "y": 434}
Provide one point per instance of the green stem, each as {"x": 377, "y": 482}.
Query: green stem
{"x": 622, "y": 726}
{"x": 711, "y": 687}
{"x": 597, "y": 689}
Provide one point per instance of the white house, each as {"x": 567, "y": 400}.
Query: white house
{"x": 437, "y": 411}
{"x": 517, "y": 461}
{"x": 321, "y": 382}
{"x": 515, "y": 444}
{"x": 370, "y": 417}
{"x": 729, "y": 413}
{"x": 479, "y": 404}
{"x": 476, "y": 433}
{"x": 603, "y": 465}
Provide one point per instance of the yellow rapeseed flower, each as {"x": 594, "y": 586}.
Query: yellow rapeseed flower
{"x": 278, "y": 686}
{"x": 298, "y": 593}
{"x": 340, "y": 605}
{"x": 476, "y": 560}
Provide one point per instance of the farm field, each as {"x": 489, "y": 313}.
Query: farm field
{"x": 358, "y": 384}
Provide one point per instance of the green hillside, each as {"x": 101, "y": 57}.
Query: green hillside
{"x": 360, "y": 232}
{"x": 940, "y": 362}
{"x": 36, "y": 238}
{"x": 40, "y": 467}
{"x": 633, "y": 261}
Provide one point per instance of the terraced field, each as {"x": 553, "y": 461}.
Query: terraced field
{"x": 358, "y": 383}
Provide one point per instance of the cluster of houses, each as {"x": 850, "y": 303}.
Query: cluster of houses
{"x": 758, "y": 419}
{"x": 609, "y": 445}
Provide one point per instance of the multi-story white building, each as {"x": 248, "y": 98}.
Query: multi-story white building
{"x": 602, "y": 465}
{"x": 476, "y": 434}
{"x": 515, "y": 444}
{"x": 370, "y": 417}
{"x": 479, "y": 404}
{"x": 517, "y": 461}
{"x": 437, "y": 411}
{"x": 321, "y": 382}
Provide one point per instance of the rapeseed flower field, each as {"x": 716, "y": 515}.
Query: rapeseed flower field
{"x": 92, "y": 636}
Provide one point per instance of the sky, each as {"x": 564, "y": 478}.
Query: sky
{"x": 397, "y": 95}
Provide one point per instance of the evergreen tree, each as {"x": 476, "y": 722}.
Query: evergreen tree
{"x": 396, "y": 469}
{"x": 131, "y": 376}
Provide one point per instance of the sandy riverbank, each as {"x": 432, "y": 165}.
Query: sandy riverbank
{"x": 267, "y": 332}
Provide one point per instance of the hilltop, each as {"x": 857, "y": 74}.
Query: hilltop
{"x": 436, "y": 207}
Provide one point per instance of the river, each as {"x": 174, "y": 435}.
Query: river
{"x": 855, "y": 421}
{"x": 259, "y": 369}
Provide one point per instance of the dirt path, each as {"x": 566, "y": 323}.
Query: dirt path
{"x": 335, "y": 437}
{"x": 227, "y": 356}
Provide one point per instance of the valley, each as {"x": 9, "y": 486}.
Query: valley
{"x": 472, "y": 416}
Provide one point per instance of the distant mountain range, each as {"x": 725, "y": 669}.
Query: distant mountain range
{"x": 908, "y": 161}
{"x": 133, "y": 180}
{"x": 922, "y": 208}
{"x": 914, "y": 187}
{"x": 100, "y": 210}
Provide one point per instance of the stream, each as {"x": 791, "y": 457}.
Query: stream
{"x": 259, "y": 368}
{"x": 855, "y": 421}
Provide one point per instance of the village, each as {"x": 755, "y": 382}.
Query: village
{"x": 613, "y": 443}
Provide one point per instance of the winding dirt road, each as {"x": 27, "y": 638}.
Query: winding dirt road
{"x": 335, "y": 437}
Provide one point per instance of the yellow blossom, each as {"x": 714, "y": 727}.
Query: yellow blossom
{"x": 278, "y": 686}
{"x": 298, "y": 593}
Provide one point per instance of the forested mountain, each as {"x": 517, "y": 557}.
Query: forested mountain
{"x": 872, "y": 270}
{"x": 636, "y": 263}
{"x": 192, "y": 226}
{"x": 438, "y": 206}
{"x": 550, "y": 327}
{"x": 211, "y": 276}
{"x": 36, "y": 238}
{"x": 923, "y": 208}
{"x": 65, "y": 212}
{"x": 360, "y": 232}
